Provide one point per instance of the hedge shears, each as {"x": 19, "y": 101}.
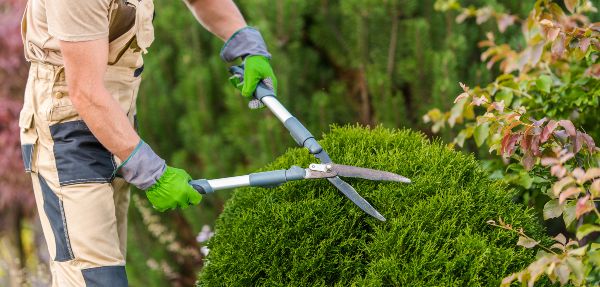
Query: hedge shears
{"x": 327, "y": 169}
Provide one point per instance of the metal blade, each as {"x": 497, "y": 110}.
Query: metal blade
{"x": 367, "y": 173}
{"x": 350, "y": 193}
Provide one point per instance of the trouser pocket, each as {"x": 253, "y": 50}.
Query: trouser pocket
{"x": 79, "y": 156}
{"x": 29, "y": 138}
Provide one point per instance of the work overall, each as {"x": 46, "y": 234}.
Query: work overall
{"x": 82, "y": 206}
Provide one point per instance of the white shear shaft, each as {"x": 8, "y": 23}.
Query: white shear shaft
{"x": 229, "y": 182}
{"x": 277, "y": 108}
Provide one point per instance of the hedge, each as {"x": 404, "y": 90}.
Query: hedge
{"x": 306, "y": 233}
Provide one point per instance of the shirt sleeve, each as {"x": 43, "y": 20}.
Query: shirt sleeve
{"x": 77, "y": 20}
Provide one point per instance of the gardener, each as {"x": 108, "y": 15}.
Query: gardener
{"x": 77, "y": 124}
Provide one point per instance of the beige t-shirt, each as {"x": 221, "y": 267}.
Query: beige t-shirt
{"x": 48, "y": 21}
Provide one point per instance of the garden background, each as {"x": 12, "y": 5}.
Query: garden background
{"x": 373, "y": 62}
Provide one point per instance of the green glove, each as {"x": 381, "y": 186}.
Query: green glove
{"x": 256, "y": 68}
{"x": 172, "y": 190}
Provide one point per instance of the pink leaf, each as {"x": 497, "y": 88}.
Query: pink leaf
{"x": 591, "y": 173}
{"x": 535, "y": 145}
{"x": 527, "y": 242}
{"x": 558, "y": 46}
{"x": 583, "y": 206}
{"x": 560, "y": 238}
{"x": 584, "y": 44}
{"x": 558, "y": 171}
{"x": 569, "y": 127}
{"x": 569, "y": 192}
{"x": 460, "y": 97}
{"x": 504, "y": 21}
{"x": 577, "y": 142}
{"x": 547, "y": 131}
{"x": 589, "y": 142}
{"x": 578, "y": 173}
{"x": 478, "y": 101}
{"x": 547, "y": 161}
{"x": 571, "y": 4}
{"x": 528, "y": 161}
{"x": 511, "y": 143}
{"x": 499, "y": 106}
{"x": 540, "y": 122}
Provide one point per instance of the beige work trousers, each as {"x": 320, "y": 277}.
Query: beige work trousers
{"x": 82, "y": 206}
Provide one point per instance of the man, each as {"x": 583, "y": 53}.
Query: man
{"x": 77, "y": 124}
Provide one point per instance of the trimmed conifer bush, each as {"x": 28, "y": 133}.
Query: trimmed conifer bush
{"x": 306, "y": 233}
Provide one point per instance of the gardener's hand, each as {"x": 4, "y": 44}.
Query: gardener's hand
{"x": 247, "y": 43}
{"x": 166, "y": 187}
{"x": 173, "y": 190}
{"x": 256, "y": 69}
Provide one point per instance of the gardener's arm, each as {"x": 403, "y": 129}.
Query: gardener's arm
{"x": 85, "y": 66}
{"x": 223, "y": 18}
{"x": 220, "y": 17}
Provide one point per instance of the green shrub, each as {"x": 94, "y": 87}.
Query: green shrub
{"x": 306, "y": 233}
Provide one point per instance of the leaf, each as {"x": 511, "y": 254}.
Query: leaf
{"x": 535, "y": 145}
{"x": 456, "y": 112}
{"x": 569, "y": 213}
{"x": 552, "y": 209}
{"x": 506, "y": 282}
{"x": 461, "y": 96}
{"x": 524, "y": 179}
{"x": 547, "y": 161}
{"x": 578, "y": 173}
{"x": 584, "y": 44}
{"x": 508, "y": 144}
{"x": 562, "y": 272}
{"x": 558, "y": 46}
{"x": 586, "y": 229}
{"x": 504, "y": 21}
{"x": 527, "y": 242}
{"x": 478, "y": 101}
{"x": 547, "y": 131}
{"x": 595, "y": 188}
{"x": 584, "y": 205}
{"x": 576, "y": 267}
{"x": 544, "y": 83}
{"x": 569, "y": 192}
{"x": 561, "y": 238}
{"x": 591, "y": 173}
{"x": 589, "y": 142}
{"x": 528, "y": 160}
{"x": 481, "y": 133}
{"x": 499, "y": 106}
{"x": 558, "y": 171}
{"x": 571, "y": 4}
{"x": 569, "y": 127}
{"x": 561, "y": 184}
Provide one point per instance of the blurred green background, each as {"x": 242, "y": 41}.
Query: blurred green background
{"x": 374, "y": 62}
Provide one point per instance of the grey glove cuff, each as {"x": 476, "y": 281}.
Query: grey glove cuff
{"x": 143, "y": 168}
{"x": 244, "y": 42}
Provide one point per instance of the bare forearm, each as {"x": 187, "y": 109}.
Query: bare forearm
{"x": 109, "y": 124}
{"x": 220, "y": 17}
{"x": 85, "y": 66}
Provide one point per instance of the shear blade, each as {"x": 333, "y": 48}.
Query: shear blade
{"x": 367, "y": 173}
{"x": 351, "y": 194}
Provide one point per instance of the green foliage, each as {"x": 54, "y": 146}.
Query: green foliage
{"x": 308, "y": 234}
{"x": 528, "y": 115}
